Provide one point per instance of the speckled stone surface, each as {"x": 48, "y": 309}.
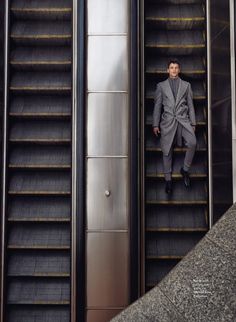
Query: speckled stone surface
{"x": 224, "y": 232}
{"x": 149, "y": 307}
{"x": 201, "y": 288}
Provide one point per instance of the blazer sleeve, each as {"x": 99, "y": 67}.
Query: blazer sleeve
{"x": 191, "y": 106}
{"x": 157, "y": 106}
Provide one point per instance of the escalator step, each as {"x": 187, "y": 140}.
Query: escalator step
{"x": 39, "y": 264}
{"x": 174, "y": 217}
{"x": 41, "y": 235}
{"x": 156, "y": 271}
{"x": 49, "y": 33}
{"x": 33, "y": 58}
{"x": 41, "y": 156}
{"x": 197, "y": 193}
{"x": 39, "y": 207}
{"x": 41, "y": 82}
{"x": 176, "y": 2}
{"x": 176, "y": 16}
{"x": 176, "y": 42}
{"x": 52, "y": 291}
{"x": 40, "y": 105}
{"x": 48, "y": 9}
{"x": 39, "y": 182}
{"x": 36, "y": 130}
{"x": 170, "y": 244}
{"x": 45, "y": 314}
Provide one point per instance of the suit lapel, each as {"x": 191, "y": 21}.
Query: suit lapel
{"x": 180, "y": 92}
{"x": 169, "y": 91}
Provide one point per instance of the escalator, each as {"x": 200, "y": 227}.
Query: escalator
{"x": 38, "y": 186}
{"x": 173, "y": 225}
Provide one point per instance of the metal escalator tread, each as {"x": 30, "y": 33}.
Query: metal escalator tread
{"x": 40, "y": 104}
{"x": 39, "y": 264}
{"x": 43, "y": 82}
{"x": 38, "y": 291}
{"x": 177, "y": 17}
{"x": 40, "y": 206}
{"x": 55, "y": 314}
{"x": 175, "y": 11}
{"x": 175, "y": 39}
{"x": 38, "y": 33}
{"x": 174, "y": 224}
{"x": 40, "y": 235}
{"x": 28, "y": 58}
{"x": 38, "y": 214}
{"x": 59, "y": 5}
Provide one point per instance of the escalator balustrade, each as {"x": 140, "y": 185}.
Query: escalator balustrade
{"x": 173, "y": 225}
{"x": 39, "y": 161}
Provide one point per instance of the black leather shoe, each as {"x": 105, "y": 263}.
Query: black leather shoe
{"x": 168, "y": 188}
{"x": 186, "y": 178}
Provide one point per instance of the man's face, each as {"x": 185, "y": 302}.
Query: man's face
{"x": 173, "y": 70}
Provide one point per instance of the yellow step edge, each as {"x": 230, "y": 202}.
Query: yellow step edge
{"x": 37, "y": 247}
{"x": 40, "y": 166}
{"x": 175, "y": 46}
{"x": 176, "y": 229}
{"x": 175, "y": 19}
{"x": 25, "y": 114}
{"x": 41, "y": 275}
{"x": 48, "y": 88}
{"x": 41, "y": 302}
{"x": 175, "y": 202}
{"x": 175, "y": 149}
{"x": 27, "y": 192}
{"x": 165, "y": 257}
{"x": 41, "y": 9}
{"x": 40, "y": 140}
{"x": 43, "y": 62}
{"x": 27, "y": 219}
{"x": 40, "y": 36}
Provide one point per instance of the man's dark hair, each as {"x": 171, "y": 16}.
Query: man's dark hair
{"x": 173, "y": 61}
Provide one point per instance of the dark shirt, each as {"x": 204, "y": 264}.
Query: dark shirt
{"x": 174, "y": 84}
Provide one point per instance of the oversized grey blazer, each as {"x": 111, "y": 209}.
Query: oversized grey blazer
{"x": 181, "y": 110}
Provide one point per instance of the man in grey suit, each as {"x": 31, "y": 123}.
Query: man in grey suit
{"x": 177, "y": 120}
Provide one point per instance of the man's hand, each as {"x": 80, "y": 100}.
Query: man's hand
{"x": 156, "y": 130}
{"x": 194, "y": 127}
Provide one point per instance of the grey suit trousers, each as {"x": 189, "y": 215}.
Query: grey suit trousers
{"x": 191, "y": 147}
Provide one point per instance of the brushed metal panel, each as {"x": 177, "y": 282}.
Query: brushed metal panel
{"x": 107, "y": 63}
{"x": 107, "y": 212}
{"x": 107, "y": 269}
{"x": 107, "y": 16}
{"x": 101, "y": 315}
{"x": 107, "y": 124}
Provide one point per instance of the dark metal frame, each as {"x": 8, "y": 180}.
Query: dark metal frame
{"x": 4, "y": 159}
{"x": 134, "y": 154}
{"x": 80, "y": 156}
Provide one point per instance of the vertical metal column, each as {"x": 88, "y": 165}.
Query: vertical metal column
{"x": 4, "y": 158}
{"x": 233, "y": 96}
{"x": 209, "y": 122}
{"x": 107, "y": 162}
